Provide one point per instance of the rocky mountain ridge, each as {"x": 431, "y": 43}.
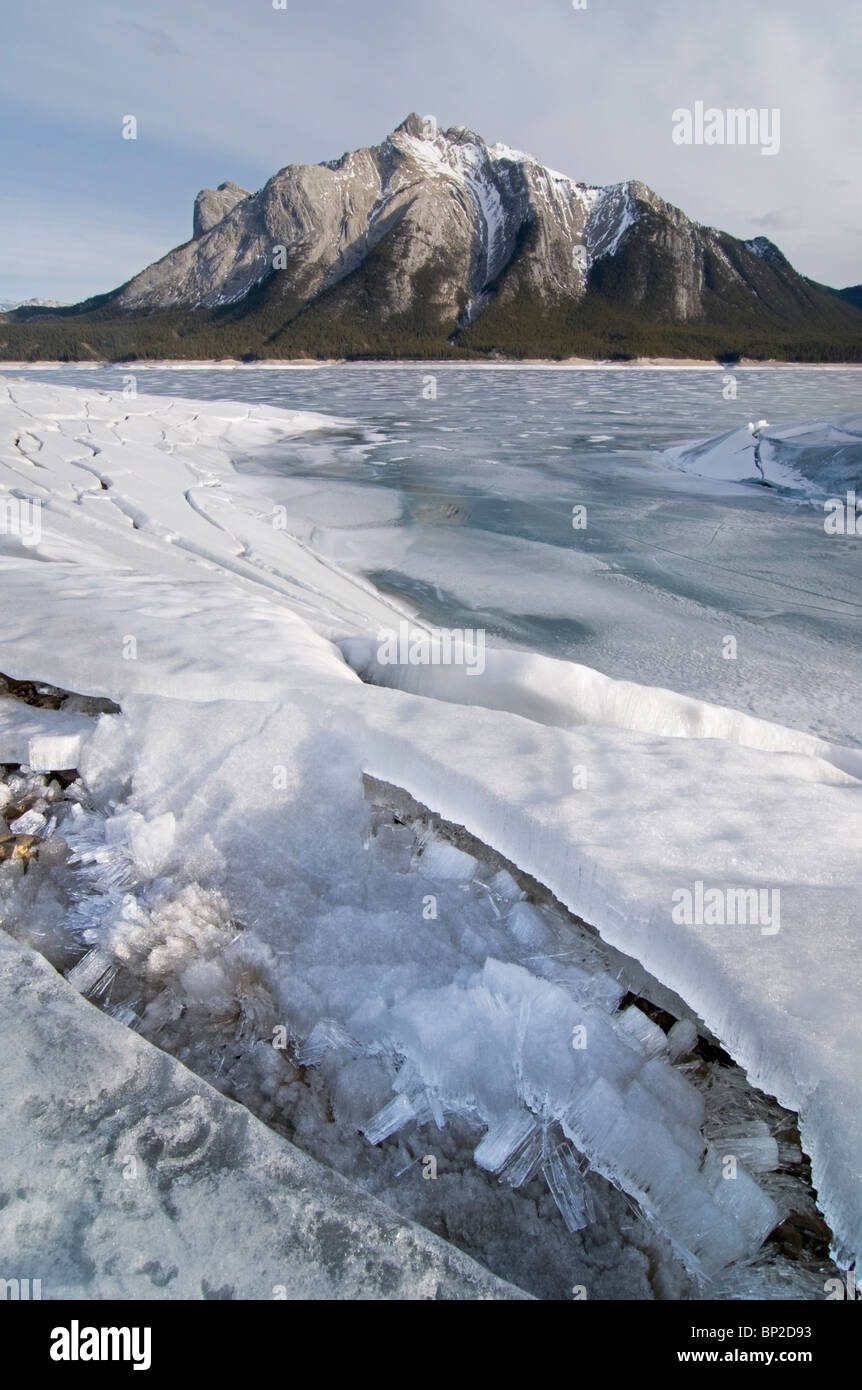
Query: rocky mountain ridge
{"x": 435, "y": 241}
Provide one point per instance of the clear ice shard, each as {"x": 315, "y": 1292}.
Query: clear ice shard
{"x": 526, "y": 1161}
{"x": 750, "y": 1142}
{"x": 641, "y": 1029}
{"x": 324, "y": 1036}
{"x": 397, "y": 1112}
{"x": 31, "y": 823}
{"x": 443, "y": 860}
{"x": 93, "y": 974}
{"x": 504, "y": 1139}
{"x": 566, "y": 1182}
{"x": 522, "y": 1056}
{"x": 682, "y": 1039}
{"x": 746, "y": 1205}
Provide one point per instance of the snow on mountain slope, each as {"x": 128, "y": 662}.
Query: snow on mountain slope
{"x": 188, "y": 593}
{"x": 328, "y": 217}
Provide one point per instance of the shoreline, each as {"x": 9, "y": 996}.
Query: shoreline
{"x": 438, "y": 364}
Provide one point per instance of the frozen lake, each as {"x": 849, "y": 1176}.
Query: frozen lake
{"x": 280, "y": 831}
{"x": 487, "y": 466}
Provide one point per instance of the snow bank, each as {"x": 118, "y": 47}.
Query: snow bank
{"x": 566, "y": 694}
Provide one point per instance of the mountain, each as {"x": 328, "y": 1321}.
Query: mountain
{"x": 6, "y": 305}
{"x": 853, "y": 295}
{"x": 214, "y": 204}
{"x": 434, "y": 243}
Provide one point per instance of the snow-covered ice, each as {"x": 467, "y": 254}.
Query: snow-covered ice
{"x": 210, "y": 1203}
{"x": 229, "y": 873}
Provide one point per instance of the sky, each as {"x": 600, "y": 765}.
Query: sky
{"x": 237, "y": 89}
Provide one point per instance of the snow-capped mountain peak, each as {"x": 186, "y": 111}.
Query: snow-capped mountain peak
{"x": 434, "y": 238}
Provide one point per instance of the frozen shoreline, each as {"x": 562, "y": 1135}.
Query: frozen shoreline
{"x": 149, "y": 532}
{"x": 505, "y": 364}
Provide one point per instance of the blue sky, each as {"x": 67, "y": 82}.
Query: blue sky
{"x": 235, "y": 89}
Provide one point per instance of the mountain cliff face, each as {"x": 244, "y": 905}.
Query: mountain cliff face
{"x": 453, "y": 204}
{"x": 213, "y": 204}
{"x": 434, "y": 239}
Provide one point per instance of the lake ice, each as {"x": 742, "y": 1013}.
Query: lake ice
{"x": 669, "y": 698}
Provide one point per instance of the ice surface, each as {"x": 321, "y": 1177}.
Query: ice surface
{"x": 566, "y": 694}
{"x": 195, "y": 1197}
{"x": 226, "y": 862}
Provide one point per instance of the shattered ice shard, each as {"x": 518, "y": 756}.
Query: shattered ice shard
{"x": 93, "y": 974}
{"x": 324, "y": 1036}
{"x": 566, "y": 1182}
{"x": 504, "y": 1139}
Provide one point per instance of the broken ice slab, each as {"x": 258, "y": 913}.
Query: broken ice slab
{"x": 444, "y": 861}
{"x": 504, "y": 1139}
{"x": 682, "y": 1039}
{"x": 679, "y": 1099}
{"x": 641, "y": 1030}
{"x": 738, "y": 1195}
{"x": 631, "y": 1142}
{"x": 393, "y": 847}
{"x": 528, "y": 927}
{"x": 54, "y": 753}
{"x": 324, "y": 1036}
{"x": 566, "y": 1183}
{"x": 504, "y": 886}
{"x": 594, "y": 986}
{"x": 525, "y": 1162}
{"x": 31, "y": 823}
{"x": 93, "y": 973}
{"x": 244, "y": 1202}
{"x": 750, "y": 1142}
